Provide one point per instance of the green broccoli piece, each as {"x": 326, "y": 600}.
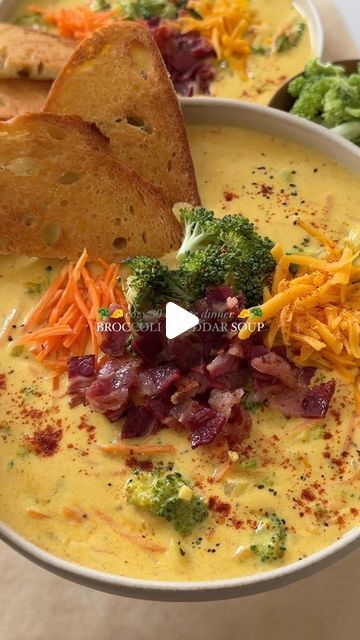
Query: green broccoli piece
{"x": 160, "y": 495}
{"x": 349, "y": 130}
{"x": 315, "y": 68}
{"x": 296, "y": 85}
{"x": 202, "y": 269}
{"x": 310, "y": 103}
{"x": 270, "y": 538}
{"x": 339, "y": 101}
{"x": 200, "y": 227}
{"x": 146, "y": 9}
{"x": 289, "y": 38}
{"x": 151, "y": 284}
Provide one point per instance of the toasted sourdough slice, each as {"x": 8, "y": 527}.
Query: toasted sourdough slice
{"x": 61, "y": 191}
{"x": 20, "y": 96}
{"x": 116, "y": 78}
{"x": 27, "y": 53}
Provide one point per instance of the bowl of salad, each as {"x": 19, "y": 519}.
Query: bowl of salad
{"x": 327, "y": 94}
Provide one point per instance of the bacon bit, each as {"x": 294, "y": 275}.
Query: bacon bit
{"x": 307, "y": 494}
{"x": 216, "y": 505}
{"x": 2, "y": 382}
{"x": 45, "y": 442}
{"x": 136, "y": 449}
{"x": 37, "y": 515}
{"x": 74, "y": 513}
{"x": 136, "y": 538}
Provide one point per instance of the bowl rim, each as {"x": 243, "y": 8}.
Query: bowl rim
{"x": 217, "y": 110}
{"x": 313, "y": 18}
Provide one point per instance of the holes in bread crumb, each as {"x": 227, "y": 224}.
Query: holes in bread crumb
{"x": 120, "y": 243}
{"x": 40, "y": 68}
{"x": 131, "y": 210}
{"x": 117, "y": 222}
{"x": 69, "y": 177}
{"x": 143, "y": 237}
{"x": 24, "y": 72}
{"x": 29, "y": 222}
{"x": 64, "y": 203}
{"x": 169, "y": 166}
{"x": 51, "y": 233}
{"x": 56, "y": 132}
{"x": 140, "y": 56}
{"x": 135, "y": 121}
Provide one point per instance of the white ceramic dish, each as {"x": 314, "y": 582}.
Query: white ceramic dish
{"x": 306, "y": 7}
{"x": 233, "y": 113}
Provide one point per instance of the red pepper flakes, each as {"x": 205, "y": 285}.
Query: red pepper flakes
{"x": 45, "y": 442}
{"x": 266, "y": 190}
{"x": 134, "y": 463}
{"x": 216, "y": 505}
{"x": 230, "y": 196}
{"x": 89, "y": 428}
{"x": 307, "y": 494}
{"x": 354, "y": 511}
{"x": 2, "y": 382}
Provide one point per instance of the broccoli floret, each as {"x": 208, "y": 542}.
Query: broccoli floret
{"x": 349, "y": 130}
{"x": 146, "y": 9}
{"x": 296, "y": 85}
{"x": 339, "y": 99}
{"x": 202, "y": 269}
{"x": 151, "y": 284}
{"x": 310, "y": 102}
{"x": 270, "y": 538}
{"x": 161, "y": 495}
{"x": 315, "y": 68}
{"x": 200, "y": 227}
{"x": 289, "y": 38}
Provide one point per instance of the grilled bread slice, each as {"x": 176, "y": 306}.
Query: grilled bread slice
{"x": 61, "y": 191}
{"x": 27, "y": 53}
{"x": 20, "y": 96}
{"x": 116, "y": 78}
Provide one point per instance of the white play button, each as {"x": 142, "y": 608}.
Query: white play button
{"x": 178, "y": 320}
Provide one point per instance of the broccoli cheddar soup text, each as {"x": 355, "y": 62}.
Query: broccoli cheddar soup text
{"x": 218, "y": 454}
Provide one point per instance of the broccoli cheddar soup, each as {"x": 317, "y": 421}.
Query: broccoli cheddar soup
{"x": 224, "y": 452}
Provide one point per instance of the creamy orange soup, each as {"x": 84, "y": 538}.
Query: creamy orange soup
{"x": 305, "y": 472}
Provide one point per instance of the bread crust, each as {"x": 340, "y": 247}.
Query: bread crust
{"x": 61, "y": 191}
{"x": 33, "y": 54}
{"x": 117, "y": 79}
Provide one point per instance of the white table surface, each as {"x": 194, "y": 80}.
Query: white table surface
{"x": 35, "y": 605}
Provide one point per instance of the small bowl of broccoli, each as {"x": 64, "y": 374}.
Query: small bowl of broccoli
{"x": 327, "y": 94}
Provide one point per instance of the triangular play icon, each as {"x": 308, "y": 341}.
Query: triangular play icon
{"x": 178, "y": 320}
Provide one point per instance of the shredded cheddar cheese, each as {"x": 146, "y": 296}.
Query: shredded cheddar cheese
{"x": 316, "y": 313}
{"x": 227, "y": 24}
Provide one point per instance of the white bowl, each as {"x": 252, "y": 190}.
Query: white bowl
{"x": 235, "y": 113}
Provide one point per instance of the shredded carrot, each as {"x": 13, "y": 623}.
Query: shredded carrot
{"x": 37, "y": 515}
{"x": 64, "y": 321}
{"x": 136, "y": 538}
{"x": 131, "y": 449}
{"x": 76, "y": 23}
{"x": 74, "y": 513}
